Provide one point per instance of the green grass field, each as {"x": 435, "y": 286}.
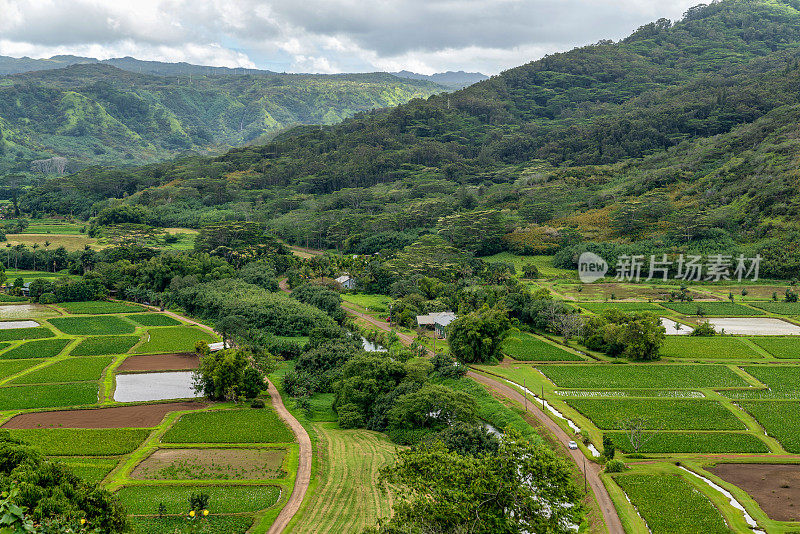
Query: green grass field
{"x": 777, "y": 378}
{"x": 693, "y": 442}
{"x": 93, "y": 326}
{"x": 43, "y": 348}
{"x": 670, "y": 505}
{"x": 347, "y": 498}
{"x": 68, "y": 370}
{"x": 224, "y": 499}
{"x": 90, "y": 469}
{"x": 83, "y": 441}
{"x": 14, "y": 334}
{"x": 153, "y": 319}
{"x": 527, "y": 347}
{"x": 246, "y": 425}
{"x": 781, "y": 420}
{"x": 717, "y": 309}
{"x": 780, "y": 347}
{"x": 100, "y": 307}
{"x": 51, "y": 226}
{"x": 213, "y": 524}
{"x": 12, "y": 298}
{"x": 173, "y": 339}
{"x": 662, "y": 414}
{"x": 779, "y": 308}
{"x": 627, "y": 307}
{"x": 102, "y": 345}
{"x": 714, "y": 347}
{"x": 606, "y": 376}
{"x": 543, "y": 263}
{"x": 378, "y": 303}
{"x": 48, "y": 396}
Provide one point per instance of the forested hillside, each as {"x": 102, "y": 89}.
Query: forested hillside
{"x": 95, "y": 113}
{"x": 681, "y": 134}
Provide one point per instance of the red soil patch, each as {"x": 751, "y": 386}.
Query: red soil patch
{"x": 141, "y": 416}
{"x": 775, "y": 487}
{"x": 160, "y": 362}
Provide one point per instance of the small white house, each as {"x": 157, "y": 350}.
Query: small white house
{"x": 215, "y": 347}
{"x": 346, "y": 281}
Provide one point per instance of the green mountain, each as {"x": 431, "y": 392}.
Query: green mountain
{"x": 680, "y": 135}
{"x": 96, "y": 113}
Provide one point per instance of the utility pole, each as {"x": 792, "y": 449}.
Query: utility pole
{"x": 584, "y": 475}
{"x": 544, "y": 403}
{"x": 525, "y": 394}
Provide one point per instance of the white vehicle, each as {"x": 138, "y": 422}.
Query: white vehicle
{"x": 572, "y": 445}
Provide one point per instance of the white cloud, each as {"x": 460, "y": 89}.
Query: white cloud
{"x": 323, "y": 35}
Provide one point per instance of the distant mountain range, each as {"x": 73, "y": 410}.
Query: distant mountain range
{"x": 11, "y": 65}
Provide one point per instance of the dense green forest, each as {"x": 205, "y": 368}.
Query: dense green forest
{"x": 96, "y": 113}
{"x": 681, "y": 135}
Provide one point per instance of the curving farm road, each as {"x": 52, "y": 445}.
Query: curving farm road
{"x": 303, "y": 478}
{"x": 591, "y": 469}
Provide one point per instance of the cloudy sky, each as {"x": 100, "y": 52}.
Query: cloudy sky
{"x": 323, "y": 35}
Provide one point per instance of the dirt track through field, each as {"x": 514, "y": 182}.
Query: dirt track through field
{"x": 160, "y": 362}
{"x": 303, "y": 479}
{"x": 139, "y": 416}
{"x": 591, "y": 469}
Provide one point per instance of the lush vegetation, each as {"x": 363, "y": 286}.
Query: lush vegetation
{"x": 526, "y": 347}
{"x": 661, "y": 376}
{"x": 229, "y": 426}
{"x": 99, "y": 307}
{"x": 779, "y": 419}
{"x": 715, "y": 347}
{"x": 48, "y": 396}
{"x": 722, "y": 309}
{"x": 68, "y": 370}
{"x": 85, "y": 442}
{"x": 780, "y": 347}
{"x": 692, "y": 442}
{"x": 223, "y": 499}
{"x": 92, "y": 325}
{"x": 43, "y": 348}
{"x": 153, "y": 319}
{"x": 14, "y": 334}
{"x": 685, "y": 510}
{"x": 173, "y": 339}
{"x": 102, "y": 345}
{"x": 662, "y": 414}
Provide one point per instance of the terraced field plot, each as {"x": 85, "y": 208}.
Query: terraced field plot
{"x": 48, "y": 395}
{"x": 757, "y": 326}
{"x": 606, "y": 376}
{"x": 224, "y": 499}
{"x": 686, "y": 510}
{"x": 781, "y": 420}
{"x": 779, "y": 308}
{"x": 719, "y": 309}
{"x": 229, "y": 426}
{"x": 90, "y": 469}
{"x": 25, "y": 311}
{"x": 68, "y": 370}
{"x": 101, "y": 345}
{"x": 153, "y": 319}
{"x": 43, "y": 348}
{"x": 17, "y": 334}
{"x": 206, "y": 464}
{"x": 93, "y": 325}
{"x": 662, "y": 414}
{"x": 97, "y": 307}
{"x": 173, "y": 339}
{"x": 777, "y": 378}
{"x": 83, "y": 442}
{"x": 780, "y": 347}
{"x": 526, "y": 347}
{"x": 348, "y": 498}
{"x": 627, "y": 307}
{"x": 714, "y": 347}
{"x": 214, "y": 524}
{"x": 692, "y": 442}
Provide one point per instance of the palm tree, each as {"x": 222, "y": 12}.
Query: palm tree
{"x": 8, "y": 255}
{"x": 35, "y": 246}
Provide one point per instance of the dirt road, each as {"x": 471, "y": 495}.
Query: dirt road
{"x": 591, "y": 469}
{"x": 303, "y": 479}
{"x": 405, "y": 339}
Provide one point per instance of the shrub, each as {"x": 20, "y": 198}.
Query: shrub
{"x": 350, "y": 416}
{"x": 47, "y": 298}
{"x": 257, "y": 403}
{"x": 615, "y": 466}
{"x": 703, "y": 329}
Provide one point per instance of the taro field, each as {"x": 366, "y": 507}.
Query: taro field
{"x": 61, "y": 367}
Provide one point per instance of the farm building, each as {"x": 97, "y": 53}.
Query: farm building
{"x": 346, "y": 281}
{"x": 437, "y": 321}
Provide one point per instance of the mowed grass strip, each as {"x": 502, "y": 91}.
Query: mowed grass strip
{"x": 662, "y": 414}
{"x": 173, "y": 339}
{"x": 717, "y": 309}
{"x": 15, "y": 334}
{"x": 246, "y": 425}
{"x": 93, "y": 325}
{"x": 714, "y": 347}
{"x": 48, "y": 396}
{"x": 83, "y": 441}
{"x": 223, "y": 499}
{"x": 779, "y": 308}
{"x": 347, "y": 498}
{"x": 99, "y": 307}
{"x": 671, "y": 505}
{"x": 627, "y": 307}
{"x": 780, "y": 419}
{"x": 102, "y": 345}
{"x": 693, "y": 442}
{"x": 89, "y": 469}
{"x": 780, "y": 347}
{"x": 68, "y": 370}
{"x": 153, "y": 319}
{"x": 213, "y": 524}
{"x": 42, "y": 348}
{"x": 642, "y": 376}
{"x": 526, "y": 347}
